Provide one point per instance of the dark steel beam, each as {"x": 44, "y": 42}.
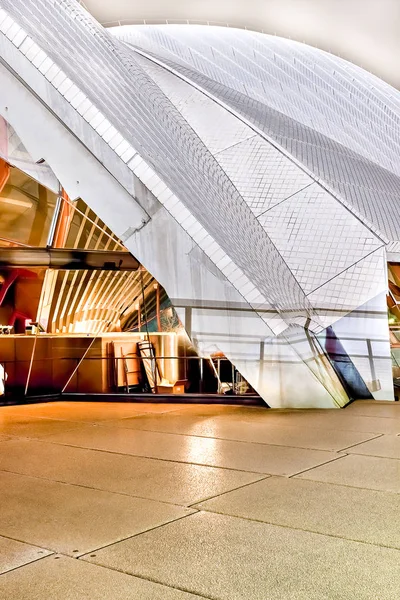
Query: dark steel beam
{"x": 67, "y": 259}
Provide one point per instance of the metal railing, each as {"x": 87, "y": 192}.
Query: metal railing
{"x": 55, "y": 375}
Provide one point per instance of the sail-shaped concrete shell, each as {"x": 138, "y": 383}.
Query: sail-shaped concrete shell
{"x": 256, "y": 179}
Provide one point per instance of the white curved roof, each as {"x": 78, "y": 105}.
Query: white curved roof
{"x": 269, "y": 144}
{"x": 313, "y": 87}
{"x": 338, "y": 121}
{"x": 366, "y": 33}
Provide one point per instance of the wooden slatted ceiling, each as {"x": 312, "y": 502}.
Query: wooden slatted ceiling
{"x": 96, "y": 301}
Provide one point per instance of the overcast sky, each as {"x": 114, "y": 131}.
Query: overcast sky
{"x": 366, "y": 32}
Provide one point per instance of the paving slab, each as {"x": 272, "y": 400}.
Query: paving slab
{"x": 314, "y": 506}
{"x": 256, "y": 458}
{"x": 375, "y": 408}
{"x": 261, "y": 433}
{"x": 367, "y": 472}
{"x": 338, "y": 420}
{"x": 62, "y": 578}
{"x": 86, "y": 411}
{"x": 71, "y": 519}
{"x": 227, "y": 558}
{"x": 33, "y": 427}
{"x": 387, "y": 446}
{"x": 183, "y": 423}
{"x": 179, "y": 483}
{"x": 213, "y": 410}
{"x": 14, "y": 554}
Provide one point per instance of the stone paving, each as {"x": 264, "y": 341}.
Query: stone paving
{"x": 106, "y": 501}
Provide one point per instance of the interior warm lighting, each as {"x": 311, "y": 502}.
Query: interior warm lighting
{"x": 15, "y": 202}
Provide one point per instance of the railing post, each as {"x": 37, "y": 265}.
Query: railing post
{"x": 201, "y": 375}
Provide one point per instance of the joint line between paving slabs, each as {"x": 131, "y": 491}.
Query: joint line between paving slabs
{"x": 207, "y": 437}
{"x": 194, "y": 512}
{"x": 347, "y": 485}
{"x": 316, "y": 466}
{"x": 262, "y": 478}
{"x": 181, "y": 462}
{"x": 373, "y": 456}
{"x": 295, "y": 528}
{"x": 35, "y": 560}
{"x": 376, "y": 436}
{"x": 96, "y": 489}
{"x": 159, "y": 582}
{"x": 14, "y": 539}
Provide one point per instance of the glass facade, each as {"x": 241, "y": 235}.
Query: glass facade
{"x": 26, "y": 209}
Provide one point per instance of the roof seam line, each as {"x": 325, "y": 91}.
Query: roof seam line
{"x": 288, "y": 198}
{"x": 346, "y": 269}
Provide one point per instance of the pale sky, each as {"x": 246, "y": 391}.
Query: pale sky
{"x": 366, "y": 32}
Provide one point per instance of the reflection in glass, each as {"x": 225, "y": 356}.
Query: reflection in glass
{"x": 86, "y": 230}
{"x": 26, "y": 210}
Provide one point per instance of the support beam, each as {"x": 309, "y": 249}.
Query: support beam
{"x": 61, "y": 258}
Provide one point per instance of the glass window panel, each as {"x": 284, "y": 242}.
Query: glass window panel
{"x": 26, "y": 210}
